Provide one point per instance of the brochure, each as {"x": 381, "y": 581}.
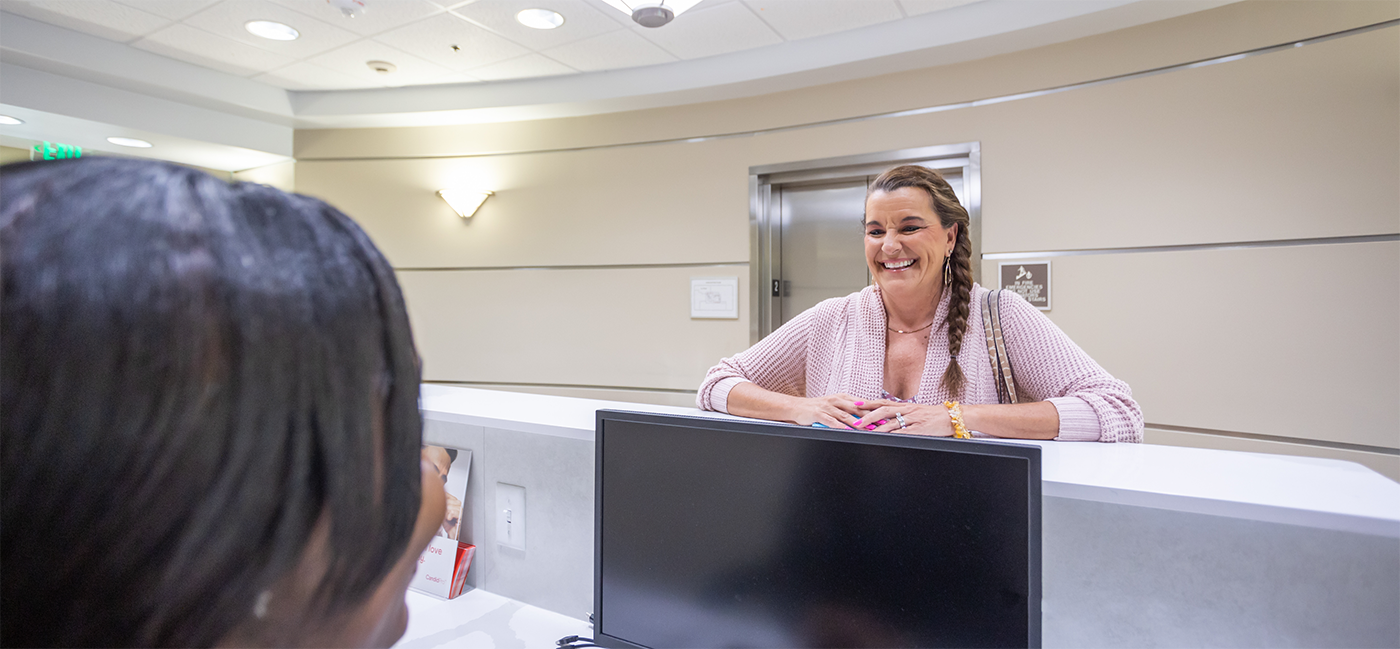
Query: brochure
{"x": 442, "y": 569}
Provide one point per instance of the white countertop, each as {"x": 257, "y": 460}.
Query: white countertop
{"x": 481, "y": 620}
{"x": 1312, "y": 492}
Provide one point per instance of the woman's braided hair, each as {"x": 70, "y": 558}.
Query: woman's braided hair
{"x": 950, "y": 213}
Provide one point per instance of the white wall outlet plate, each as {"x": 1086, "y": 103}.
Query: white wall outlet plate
{"x": 510, "y": 515}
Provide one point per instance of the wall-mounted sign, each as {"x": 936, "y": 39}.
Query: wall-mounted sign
{"x": 714, "y": 297}
{"x": 1029, "y": 279}
{"x": 54, "y": 151}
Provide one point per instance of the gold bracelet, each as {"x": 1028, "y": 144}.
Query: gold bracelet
{"x": 955, "y": 413}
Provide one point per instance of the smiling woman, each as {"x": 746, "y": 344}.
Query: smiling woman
{"x": 892, "y": 358}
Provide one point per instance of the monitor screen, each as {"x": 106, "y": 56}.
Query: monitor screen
{"x": 722, "y": 533}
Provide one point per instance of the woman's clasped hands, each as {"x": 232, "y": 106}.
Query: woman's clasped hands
{"x": 879, "y": 415}
{"x": 887, "y": 416}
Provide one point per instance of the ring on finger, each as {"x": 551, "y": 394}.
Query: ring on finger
{"x": 900, "y": 417}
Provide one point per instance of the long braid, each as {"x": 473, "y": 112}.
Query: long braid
{"x": 951, "y": 214}
{"x": 958, "y": 308}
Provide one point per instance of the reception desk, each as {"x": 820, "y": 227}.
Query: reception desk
{"x": 1142, "y": 545}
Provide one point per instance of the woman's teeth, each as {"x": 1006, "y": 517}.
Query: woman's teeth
{"x": 896, "y": 265}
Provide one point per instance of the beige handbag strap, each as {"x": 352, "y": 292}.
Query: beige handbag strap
{"x": 996, "y": 348}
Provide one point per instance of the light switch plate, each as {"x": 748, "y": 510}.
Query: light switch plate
{"x": 510, "y": 515}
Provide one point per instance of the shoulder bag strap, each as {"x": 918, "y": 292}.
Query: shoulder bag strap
{"x": 996, "y": 348}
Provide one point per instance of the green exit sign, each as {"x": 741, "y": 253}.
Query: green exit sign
{"x": 55, "y": 151}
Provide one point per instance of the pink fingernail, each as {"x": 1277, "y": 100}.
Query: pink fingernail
{"x": 870, "y": 427}
{"x": 860, "y": 403}
{"x": 883, "y": 422}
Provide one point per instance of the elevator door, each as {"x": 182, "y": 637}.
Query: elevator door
{"x": 822, "y": 243}
{"x": 823, "y": 254}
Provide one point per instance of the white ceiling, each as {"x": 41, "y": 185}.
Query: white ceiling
{"x": 418, "y": 35}
{"x": 187, "y": 73}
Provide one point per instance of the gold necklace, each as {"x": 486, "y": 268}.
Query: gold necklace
{"x": 887, "y": 326}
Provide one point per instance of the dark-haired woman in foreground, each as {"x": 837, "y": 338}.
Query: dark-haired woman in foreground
{"x": 909, "y": 354}
{"x": 209, "y": 396}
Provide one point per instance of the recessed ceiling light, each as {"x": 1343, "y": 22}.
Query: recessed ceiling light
{"x": 10, "y": 121}
{"x": 129, "y": 141}
{"x": 540, "y": 18}
{"x": 271, "y": 30}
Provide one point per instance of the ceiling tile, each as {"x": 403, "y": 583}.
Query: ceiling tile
{"x": 309, "y": 76}
{"x": 530, "y": 65}
{"x": 581, "y": 21}
{"x": 102, "y": 18}
{"x": 795, "y": 19}
{"x": 456, "y": 77}
{"x": 917, "y": 7}
{"x": 433, "y": 38}
{"x": 710, "y": 30}
{"x": 199, "y": 47}
{"x": 228, "y": 17}
{"x": 380, "y": 15}
{"x": 352, "y": 60}
{"x": 172, "y": 9}
{"x": 610, "y": 51}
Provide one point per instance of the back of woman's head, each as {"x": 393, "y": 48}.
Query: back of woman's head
{"x": 193, "y": 376}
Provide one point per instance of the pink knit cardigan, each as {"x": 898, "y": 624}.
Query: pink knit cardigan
{"x": 839, "y": 346}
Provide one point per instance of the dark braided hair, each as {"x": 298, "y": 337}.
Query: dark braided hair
{"x": 950, "y": 213}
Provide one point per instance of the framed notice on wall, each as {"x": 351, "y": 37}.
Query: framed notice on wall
{"x": 1029, "y": 279}
{"x": 714, "y": 297}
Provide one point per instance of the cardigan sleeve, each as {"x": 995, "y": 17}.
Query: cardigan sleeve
{"x": 777, "y": 363}
{"x": 1049, "y": 366}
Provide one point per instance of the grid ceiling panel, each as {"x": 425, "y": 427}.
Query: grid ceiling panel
{"x": 417, "y": 35}
{"x": 797, "y": 19}
{"x": 185, "y": 43}
{"x": 525, "y": 67}
{"x": 309, "y": 76}
{"x": 102, "y": 18}
{"x": 228, "y": 18}
{"x": 433, "y": 38}
{"x": 581, "y": 20}
{"x": 379, "y": 17}
{"x": 353, "y": 60}
{"x": 610, "y": 51}
{"x": 172, "y": 9}
{"x": 708, "y": 31}
{"x": 920, "y": 7}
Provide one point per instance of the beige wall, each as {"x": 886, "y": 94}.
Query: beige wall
{"x": 10, "y": 154}
{"x": 1236, "y": 345}
{"x": 281, "y": 175}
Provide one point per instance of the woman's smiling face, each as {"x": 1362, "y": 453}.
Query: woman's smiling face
{"x": 905, "y": 244}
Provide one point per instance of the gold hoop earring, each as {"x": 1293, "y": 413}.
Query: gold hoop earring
{"x": 948, "y": 270}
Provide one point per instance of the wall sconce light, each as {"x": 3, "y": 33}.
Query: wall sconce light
{"x": 465, "y": 203}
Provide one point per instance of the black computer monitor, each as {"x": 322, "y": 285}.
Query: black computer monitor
{"x": 723, "y": 533}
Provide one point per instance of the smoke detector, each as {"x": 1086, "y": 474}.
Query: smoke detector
{"x": 350, "y": 8}
{"x": 382, "y": 67}
{"x": 652, "y": 15}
